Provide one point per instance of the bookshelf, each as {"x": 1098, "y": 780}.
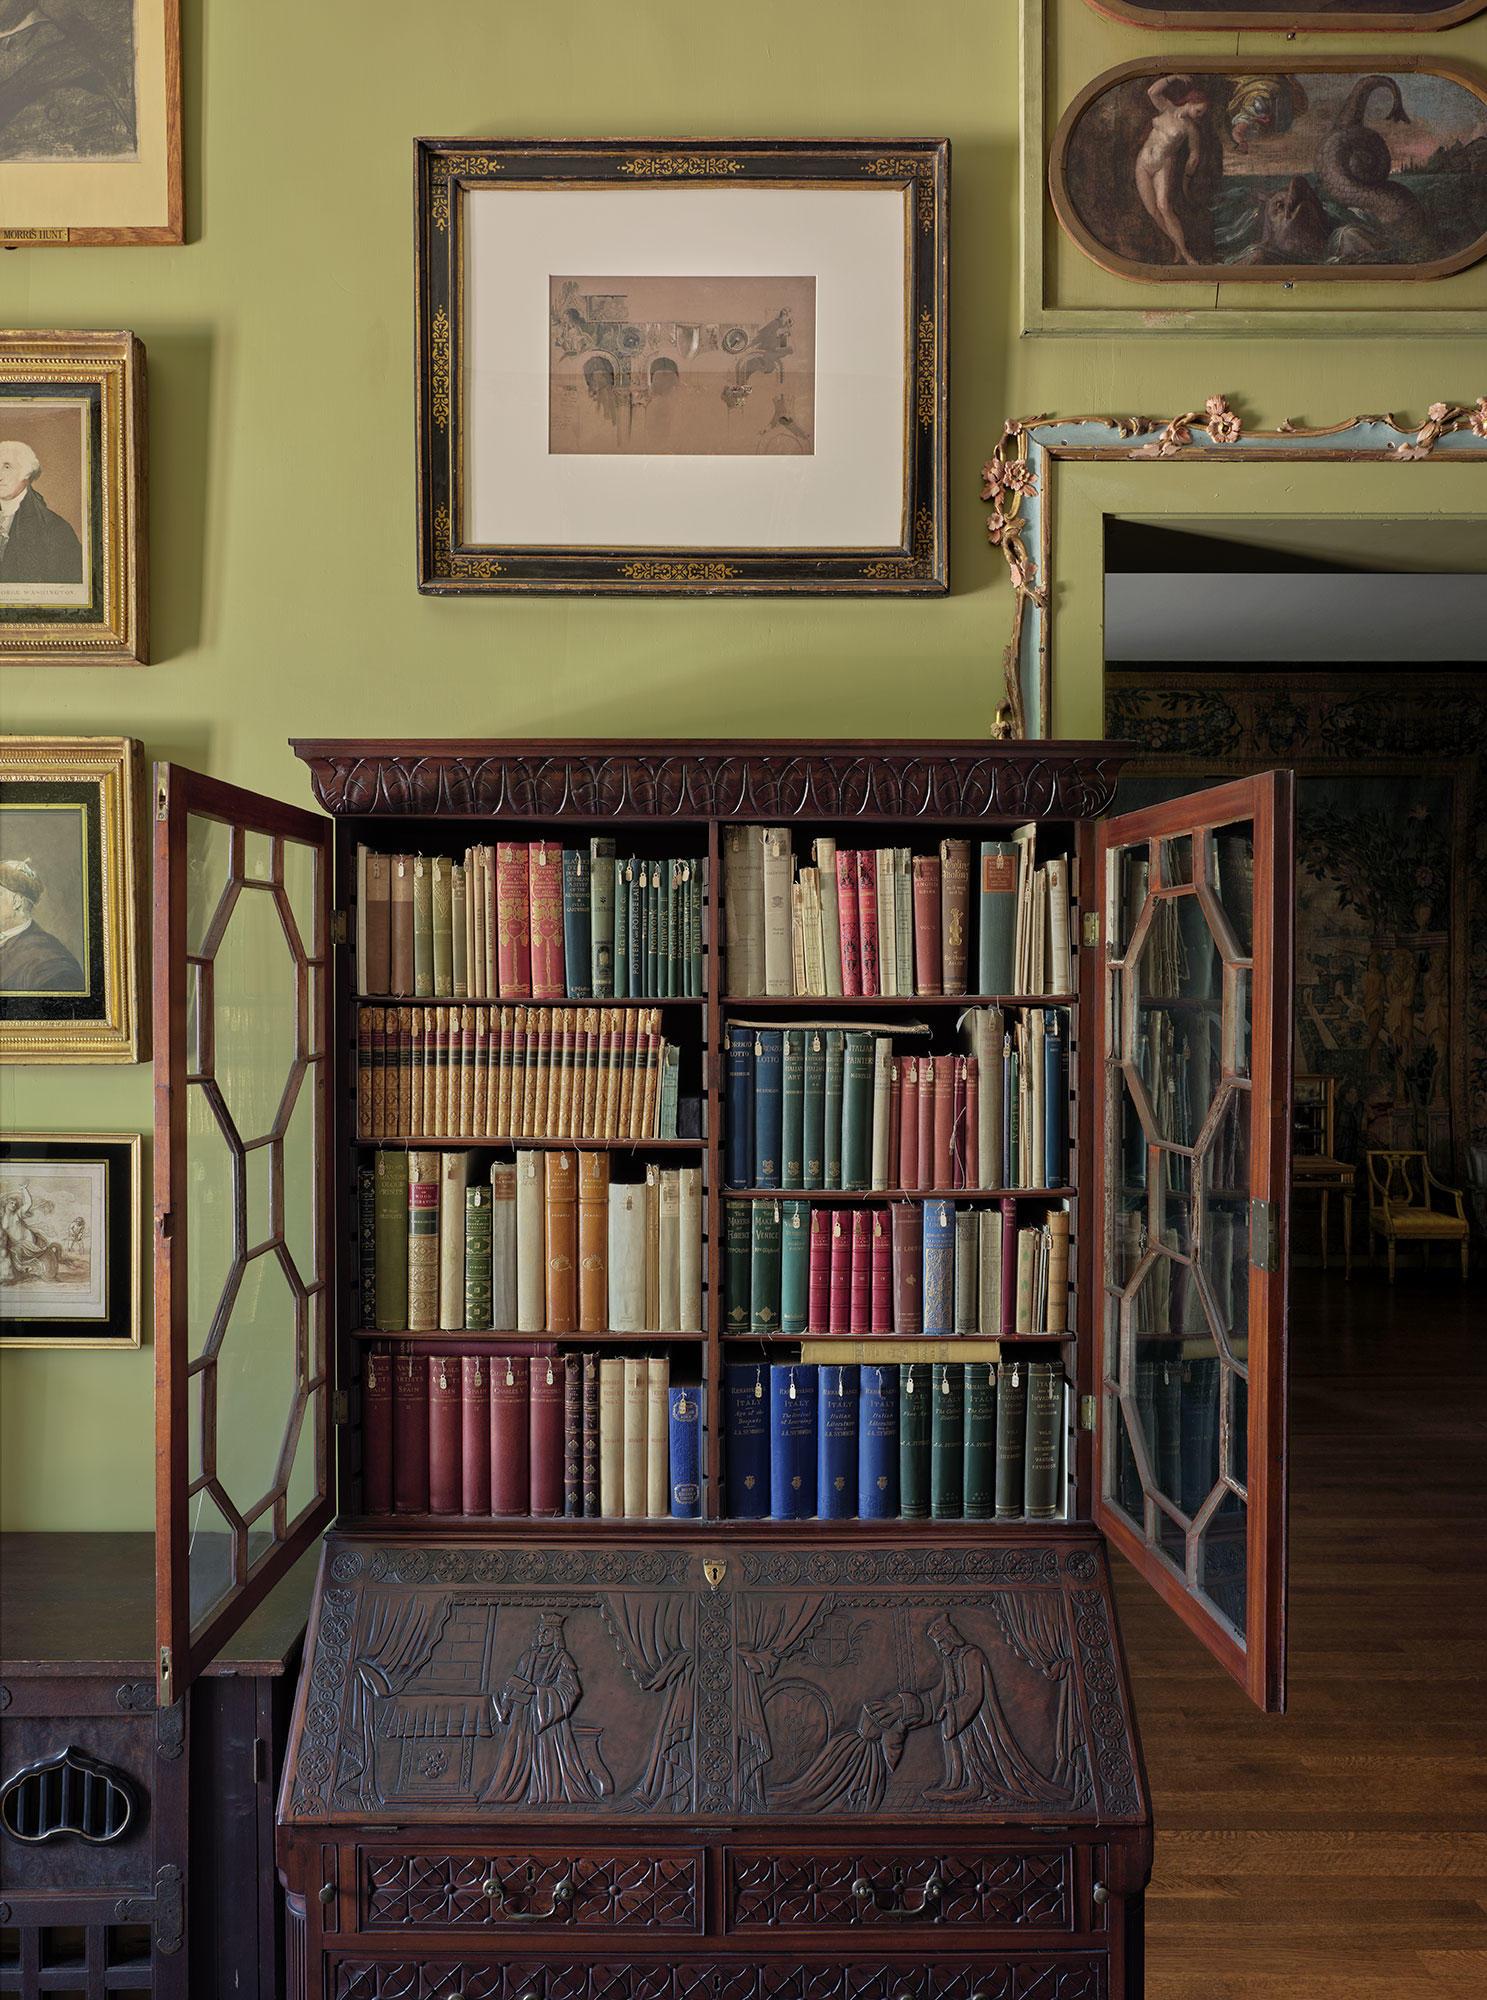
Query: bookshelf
{"x": 690, "y": 1725}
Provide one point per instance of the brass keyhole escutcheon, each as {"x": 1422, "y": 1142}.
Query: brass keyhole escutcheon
{"x": 714, "y": 1569}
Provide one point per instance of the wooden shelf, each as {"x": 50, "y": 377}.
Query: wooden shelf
{"x": 466, "y": 1140}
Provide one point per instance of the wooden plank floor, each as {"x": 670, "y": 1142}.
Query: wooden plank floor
{"x": 1340, "y": 1850}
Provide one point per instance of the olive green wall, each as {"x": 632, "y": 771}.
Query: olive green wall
{"x": 281, "y": 446}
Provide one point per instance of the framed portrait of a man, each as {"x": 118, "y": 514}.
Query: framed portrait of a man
{"x": 72, "y": 499}
{"x": 69, "y": 1239}
{"x": 69, "y": 929}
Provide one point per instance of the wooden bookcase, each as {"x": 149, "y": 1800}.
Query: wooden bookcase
{"x": 628, "y": 1757}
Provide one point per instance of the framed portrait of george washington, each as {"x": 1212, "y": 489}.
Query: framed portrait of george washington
{"x": 69, "y": 921}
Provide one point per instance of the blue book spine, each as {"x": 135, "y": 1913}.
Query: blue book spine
{"x": 792, "y": 1109}
{"x": 738, "y": 1063}
{"x": 746, "y": 1390}
{"x": 635, "y": 893}
{"x": 836, "y": 1441}
{"x": 938, "y": 1292}
{"x": 686, "y": 1457}
{"x": 877, "y": 1442}
{"x": 769, "y": 1054}
{"x": 1055, "y": 1099}
{"x": 792, "y": 1440}
{"x": 577, "y": 924}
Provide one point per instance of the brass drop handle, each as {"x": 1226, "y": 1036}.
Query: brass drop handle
{"x": 562, "y": 1894}
{"x": 490, "y": 1886}
{"x": 929, "y": 1896}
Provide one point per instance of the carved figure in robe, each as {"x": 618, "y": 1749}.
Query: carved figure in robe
{"x": 982, "y": 1759}
{"x": 542, "y": 1761}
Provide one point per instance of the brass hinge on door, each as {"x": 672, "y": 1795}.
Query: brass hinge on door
{"x": 340, "y": 927}
{"x": 1264, "y": 1235}
{"x": 1086, "y": 1413}
{"x": 340, "y": 1407}
{"x": 1091, "y": 929}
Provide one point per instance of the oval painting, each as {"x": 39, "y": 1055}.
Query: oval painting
{"x": 1209, "y": 170}
{"x": 1345, "y": 16}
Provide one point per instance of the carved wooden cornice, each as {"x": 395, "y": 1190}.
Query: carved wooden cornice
{"x": 672, "y": 780}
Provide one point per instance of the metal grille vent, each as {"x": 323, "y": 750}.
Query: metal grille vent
{"x": 67, "y": 1794}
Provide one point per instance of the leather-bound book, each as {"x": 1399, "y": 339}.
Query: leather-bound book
{"x": 479, "y": 1096}
{"x": 928, "y": 968}
{"x": 978, "y": 1481}
{"x": 887, "y": 912}
{"x": 764, "y": 1268}
{"x": 636, "y": 1421}
{"x": 849, "y": 921}
{"x": 836, "y": 1054}
{"x": 746, "y": 1405}
{"x": 545, "y": 1435}
{"x": 955, "y": 913}
{"x": 513, "y": 921}
{"x": 1056, "y": 1308}
{"x": 418, "y": 1090}
{"x": 795, "y": 1266}
{"x": 1009, "y": 1266}
{"x": 913, "y": 1440}
{"x": 989, "y": 1273}
{"x": 392, "y": 1241}
{"x": 939, "y": 1268}
{"x": 404, "y": 1128}
{"x": 997, "y": 917}
{"x": 562, "y": 1242}
{"x": 867, "y": 919}
{"x": 824, "y": 854}
{"x": 624, "y": 876}
{"x": 510, "y": 1434}
{"x": 958, "y": 1123}
{"x": 737, "y": 1217}
{"x": 454, "y": 1174}
{"x": 908, "y": 1123}
{"x": 539, "y": 1074}
{"x": 669, "y": 1303}
{"x": 778, "y": 881}
{"x": 626, "y": 1035}
{"x": 371, "y": 1073}
{"x": 400, "y": 926}
{"x": 1045, "y": 1413}
{"x": 503, "y": 1246}
{"x": 423, "y": 1242}
{"x": 684, "y": 1441}
{"x": 768, "y": 1109}
{"x": 626, "y": 1258}
{"x": 593, "y": 1242}
{"x": 446, "y": 1424}
{"x": 545, "y": 901}
{"x": 441, "y": 893}
{"x": 376, "y": 1431}
{"x": 516, "y": 1104}
{"x": 658, "y": 1437}
{"x": 792, "y": 1441}
{"x": 410, "y": 1433}
{"x": 836, "y": 1442}
{"x": 839, "y": 1308}
{"x": 691, "y": 1251}
{"x": 818, "y": 1290}
{"x": 967, "y": 1271}
{"x": 374, "y": 932}
{"x": 972, "y": 1159}
{"x": 743, "y": 908}
{"x": 860, "y": 1296}
{"x": 573, "y": 1436}
{"x": 366, "y": 1243}
{"x": 877, "y": 1441}
{"x": 857, "y": 1112}
{"x": 738, "y": 1082}
{"x": 531, "y": 1244}
{"x": 925, "y": 1144}
{"x": 590, "y": 1473}
{"x": 906, "y": 1221}
{"x": 942, "y": 1142}
{"x": 578, "y": 924}
{"x": 477, "y": 1316}
{"x": 1027, "y": 1266}
{"x": 1011, "y": 1437}
{"x": 947, "y": 1440}
{"x": 601, "y": 917}
{"x": 882, "y": 1149}
{"x": 459, "y": 932}
{"x": 903, "y": 918}
{"x": 792, "y": 1108}
{"x": 880, "y": 1249}
{"x": 423, "y": 928}
{"x": 475, "y": 1434}
{"x": 813, "y": 1109}
{"x": 652, "y": 1249}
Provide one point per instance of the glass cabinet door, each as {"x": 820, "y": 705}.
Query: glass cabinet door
{"x": 1193, "y": 1148}
{"x": 243, "y": 1282}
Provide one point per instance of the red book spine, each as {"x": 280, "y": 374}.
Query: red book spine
{"x": 881, "y": 1315}
{"x": 513, "y": 922}
{"x": 942, "y": 1158}
{"x": 867, "y": 918}
{"x": 907, "y": 1222}
{"x": 818, "y": 1297}
{"x": 1009, "y": 1266}
{"x": 958, "y": 1126}
{"x": 573, "y": 1435}
{"x": 376, "y": 1433}
{"x": 928, "y": 968}
{"x": 545, "y": 897}
{"x": 445, "y": 1420}
{"x": 510, "y": 1483}
{"x": 908, "y": 1125}
{"x": 861, "y": 1303}
{"x": 475, "y": 1434}
{"x": 849, "y": 920}
{"x": 839, "y": 1316}
{"x": 926, "y": 1122}
{"x": 973, "y": 1124}
{"x": 410, "y": 1434}
{"x": 546, "y": 1435}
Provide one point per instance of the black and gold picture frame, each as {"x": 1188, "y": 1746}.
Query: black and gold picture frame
{"x": 685, "y": 366}
{"x": 69, "y": 1239}
{"x": 73, "y": 517}
{"x": 69, "y": 926}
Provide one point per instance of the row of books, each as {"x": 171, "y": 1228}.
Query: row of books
{"x": 530, "y": 920}
{"x": 888, "y": 921}
{"x": 500, "y": 1434}
{"x": 543, "y": 1243}
{"x": 515, "y": 1073}
{"x": 909, "y": 1270}
{"x": 818, "y": 1106}
{"x": 942, "y": 1441}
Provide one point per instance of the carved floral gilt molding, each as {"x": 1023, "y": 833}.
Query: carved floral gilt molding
{"x": 1017, "y": 479}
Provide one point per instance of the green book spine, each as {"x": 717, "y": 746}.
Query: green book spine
{"x": 624, "y": 872}
{"x": 764, "y": 1267}
{"x": 676, "y": 908}
{"x": 979, "y": 1466}
{"x": 601, "y": 901}
{"x": 1045, "y": 1410}
{"x": 392, "y": 1242}
{"x": 967, "y": 1271}
{"x": 947, "y": 1440}
{"x": 913, "y": 1440}
{"x": 813, "y": 1110}
{"x": 857, "y": 1112}
{"x": 683, "y": 934}
{"x": 442, "y": 900}
{"x": 1011, "y": 1437}
{"x": 694, "y": 891}
{"x": 423, "y": 929}
{"x": 653, "y": 920}
{"x": 795, "y": 1265}
{"x": 477, "y": 1258}
{"x": 366, "y": 1242}
{"x": 832, "y": 1106}
{"x": 792, "y": 1111}
{"x": 736, "y": 1264}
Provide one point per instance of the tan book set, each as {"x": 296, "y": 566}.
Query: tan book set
{"x": 720, "y": 1758}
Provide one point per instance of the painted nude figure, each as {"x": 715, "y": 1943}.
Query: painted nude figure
{"x": 1169, "y": 158}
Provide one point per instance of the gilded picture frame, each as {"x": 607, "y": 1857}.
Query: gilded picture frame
{"x": 70, "y": 988}
{"x": 696, "y": 367}
{"x": 70, "y": 1219}
{"x": 1340, "y": 17}
{"x": 90, "y": 123}
{"x": 74, "y": 565}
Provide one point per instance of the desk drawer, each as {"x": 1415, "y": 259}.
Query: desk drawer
{"x": 900, "y": 1889}
{"x": 1067, "y": 1976}
{"x": 539, "y": 1890}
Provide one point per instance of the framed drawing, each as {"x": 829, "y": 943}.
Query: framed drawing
{"x": 73, "y": 517}
{"x": 1342, "y": 17}
{"x": 682, "y": 366}
{"x": 90, "y": 122}
{"x": 69, "y": 1239}
{"x": 69, "y": 929}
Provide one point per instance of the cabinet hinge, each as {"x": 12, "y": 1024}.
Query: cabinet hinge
{"x": 166, "y": 1694}
{"x": 162, "y": 802}
{"x": 1091, "y": 929}
{"x": 340, "y": 927}
{"x": 340, "y": 1407}
{"x": 1086, "y": 1413}
{"x": 1264, "y": 1235}
{"x": 260, "y": 1760}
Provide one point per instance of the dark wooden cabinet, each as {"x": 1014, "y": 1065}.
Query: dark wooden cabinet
{"x": 578, "y": 1758}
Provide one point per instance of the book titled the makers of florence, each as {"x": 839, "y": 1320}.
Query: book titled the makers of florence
{"x": 746, "y": 1387}
{"x": 685, "y": 1424}
{"x": 792, "y": 1440}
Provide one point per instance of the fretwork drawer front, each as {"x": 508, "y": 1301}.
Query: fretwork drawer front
{"x": 900, "y": 1889}
{"x": 542, "y": 1890}
{"x": 1039, "y": 1976}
